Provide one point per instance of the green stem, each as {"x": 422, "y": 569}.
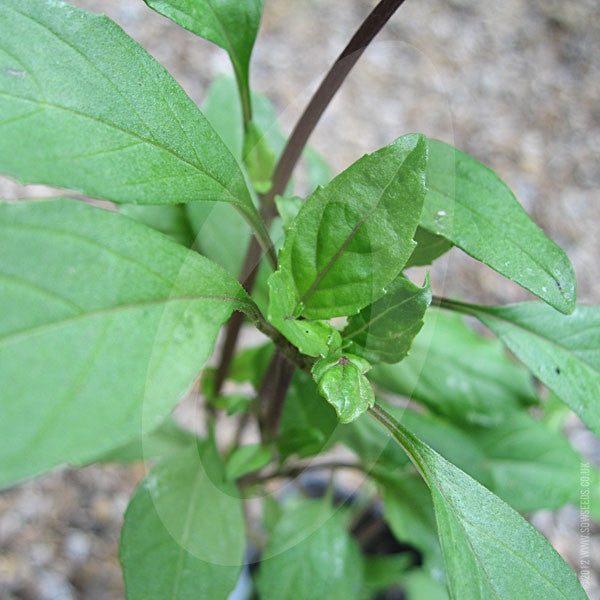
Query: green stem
{"x": 457, "y": 306}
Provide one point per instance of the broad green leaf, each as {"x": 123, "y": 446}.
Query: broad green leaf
{"x": 94, "y": 112}
{"x": 310, "y": 555}
{"x": 532, "y": 467}
{"x": 170, "y": 220}
{"x": 429, "y": 247}
{"x": 471, "y": 207}
{"x": 167, "y": 439}
{"x": 231, "y": 24}
{"x": 313, "y": 338}
{"x": 353, "y": 236}
{"x": 384, "y": 331}
{"x": 561, "y": 351}
{"x": 184, "y": 533}
{"x": 343, "y": 384}
{"x": 458, "y": 373}
{"x": 104, "y": 325}
{"x": 489, "y": 549}
{"x": 307, "y": 422}
{"x": 246, "y": 459}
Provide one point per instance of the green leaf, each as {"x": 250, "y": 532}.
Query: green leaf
{"x": 307, "y": 423}
{"x": 313, "y": 338}
{"x": 104, "y": 325}
{"x": 342, "y": 383}
{"x": 383, "y": 571}
{"x": 471, "y": 207}
{"x": 532, "y": 468}
{"x": 352, "y": 237}
{"x": 429, "y": 247}
{"x": 170, "y": 220}
{"x": 230, "y": 24}
{"x": 94, "y": 112}
{"x": 384, "y": 331}
{"x": 458, "y": 373}
{"x": 246, "y": 459}
{"x": 561, "y": 351}
{"x": 167, "y": 439}
{"x": 489, "y": 549}
{"x": 288, "y": 208}
{"x": 184, "y": 533}
{"x": 310, "y": 555}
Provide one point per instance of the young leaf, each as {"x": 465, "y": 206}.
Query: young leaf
{"x": 104, "y": 325}
{"x": 313, "y": 338}
{"x": 94, "y": 112}
{"x": 231, "y": 24}
{"x": 258, "y": 158}
{"x": 343, "y": 384}
{"x": 310, "y": 555}
{"x": 352, "y": 237}
{"x": 489, "y": 549}
{"x": 561, "y": 351}
{"x": 384, "y": 331}
{"x": 471, "y": 207}
{"x": 458, "y": 373}
{"x": 184, "y": 531}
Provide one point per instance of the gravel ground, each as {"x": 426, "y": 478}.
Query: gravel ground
{"x": 515, "y": 83}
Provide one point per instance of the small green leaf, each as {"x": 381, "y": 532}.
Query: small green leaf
{"x": 489, "y": 549}
{"x": 171, "y": 220}
{"x": 310, "y": 555}
{"x": 458, "y": 373}
{"x": 307, "y": 423}
{"x": 561, "y": 351}
{"x": 471, "y": 207}
{"x": 343, "y": 384}
{"x": 384, "y": 331}
{"x": 246, "y": 459}
{"x": 230, "y": 24}
{"x": 352, "y": 237}
{"x": 104, "y": 325}
{"x": 429, "y": 247}
{"x": 250, "y": 364}
{"x": 95, "y": 113}
{"x": 313, "y": 338}
{"x": 184, "y": 533}
{"x": 418, "y": 585}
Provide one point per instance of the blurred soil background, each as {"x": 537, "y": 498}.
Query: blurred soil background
{"x": 514, "y": 83}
